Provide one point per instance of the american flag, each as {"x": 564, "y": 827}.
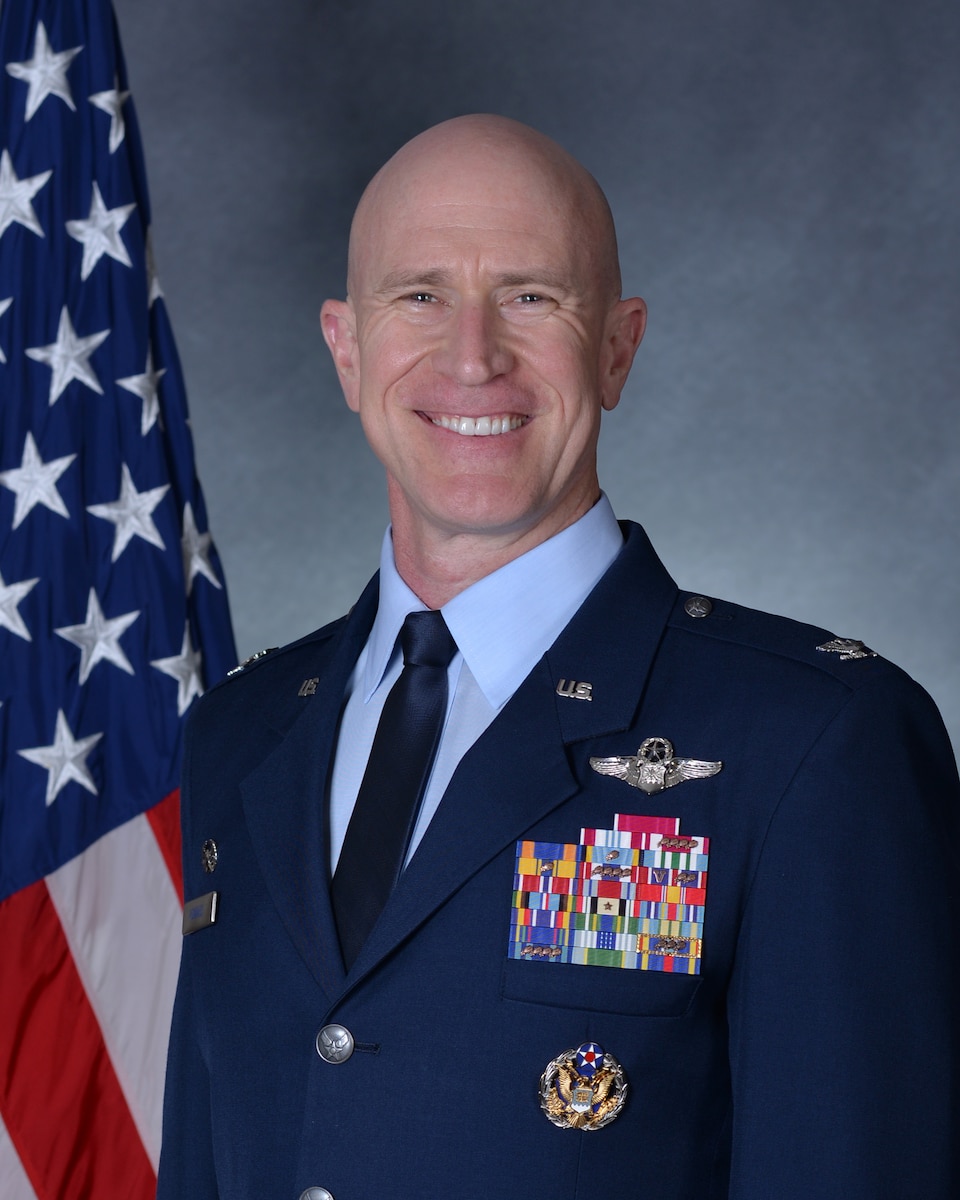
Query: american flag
{"x": 113, "y": 616}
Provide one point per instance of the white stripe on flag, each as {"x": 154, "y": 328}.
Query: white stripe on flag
{"x": 121, "y": 918}
{"x": 14, "y": 1184}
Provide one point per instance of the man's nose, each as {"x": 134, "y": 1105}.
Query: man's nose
{"x": 475, "y": 347}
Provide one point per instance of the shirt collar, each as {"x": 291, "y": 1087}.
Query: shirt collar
{"x": 504, "y": 623}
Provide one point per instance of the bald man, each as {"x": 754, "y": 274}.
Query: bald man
{"x": 533, "y": 846}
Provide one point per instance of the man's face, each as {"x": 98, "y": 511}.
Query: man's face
{"x": 479, "y": 346}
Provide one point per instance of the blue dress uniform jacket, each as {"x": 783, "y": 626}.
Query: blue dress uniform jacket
{"x": 812, "y": 1057}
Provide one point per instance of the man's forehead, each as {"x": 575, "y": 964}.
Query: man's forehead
{"x": 483, "y": 187}
{"x": 474, "y": 197}
{"x": 502, "y": 253}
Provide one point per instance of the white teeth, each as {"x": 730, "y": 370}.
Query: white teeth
{"x": 479, "y": 426}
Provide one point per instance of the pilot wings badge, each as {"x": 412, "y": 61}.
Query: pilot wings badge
{"x": 583, "y": 1088}
{"x": 654, "y": 767}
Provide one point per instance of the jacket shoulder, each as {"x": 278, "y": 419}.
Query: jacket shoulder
{"x": 263, "y": 668}
{"x": 845, "y": 659}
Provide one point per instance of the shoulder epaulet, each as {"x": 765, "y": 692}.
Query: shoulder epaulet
{"x": 778, "y": 635}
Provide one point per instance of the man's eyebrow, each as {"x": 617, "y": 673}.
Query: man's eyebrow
{"x": 403, "y": 279}
{"x": 536, "y": 277}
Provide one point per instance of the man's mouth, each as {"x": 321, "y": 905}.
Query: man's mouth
{"x": 480, "y": 426}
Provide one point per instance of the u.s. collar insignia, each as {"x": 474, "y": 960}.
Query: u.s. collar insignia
{"x": 848, "y": 648}
{"x": 654, "y": 767}
{"x": 575, "y": 690}
{"x": 583, "y": 1088}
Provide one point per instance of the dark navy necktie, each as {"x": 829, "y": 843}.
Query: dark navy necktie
{"x": 388, "y": 802}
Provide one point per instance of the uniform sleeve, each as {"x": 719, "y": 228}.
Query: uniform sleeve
{"x": 843, "y": 1006}
{"x": 186, "y": 1154}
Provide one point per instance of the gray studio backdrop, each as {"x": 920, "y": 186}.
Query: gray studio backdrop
{"x": 785, "y": 179}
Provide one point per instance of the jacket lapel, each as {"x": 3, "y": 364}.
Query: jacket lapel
{"x": 519, "y": 771}
{"x": 479, "y": 814}
{"x": 284, "y": 800}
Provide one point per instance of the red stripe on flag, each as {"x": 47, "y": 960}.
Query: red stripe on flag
{"x": 164, "y": 820}
{"x": 59, "y": 1096}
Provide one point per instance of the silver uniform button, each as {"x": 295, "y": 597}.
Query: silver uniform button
{"x": 698, "y": 606}
{"x": 334, "y": 1045}
{"x": 316, "y": 1193}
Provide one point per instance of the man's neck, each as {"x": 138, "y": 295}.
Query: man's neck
{"x": 437, "y": 566}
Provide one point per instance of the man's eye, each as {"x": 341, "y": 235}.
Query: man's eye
{"x": 421, "y": 297}
{"x": 531, "y": 298}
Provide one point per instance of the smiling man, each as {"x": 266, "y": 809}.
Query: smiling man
{"x": 534, "y": 846}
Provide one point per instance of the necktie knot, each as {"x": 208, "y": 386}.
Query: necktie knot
{"x": 426, "y": 641}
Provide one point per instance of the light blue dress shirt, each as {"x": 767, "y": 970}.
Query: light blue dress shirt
{"x": 502, "y": 624}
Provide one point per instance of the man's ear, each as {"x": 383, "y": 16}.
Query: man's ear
{"x": 339, "y": 324}
{"x": 622, "y": 335}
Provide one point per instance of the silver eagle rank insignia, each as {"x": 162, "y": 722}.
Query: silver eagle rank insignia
{"x": 848, "y": 649}
{"x": 654, "y": 767}
{"x": 583, "y": 1088}
{"x": 242, "y": 666}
